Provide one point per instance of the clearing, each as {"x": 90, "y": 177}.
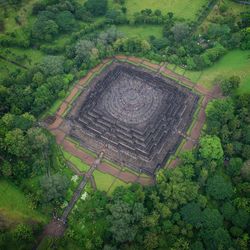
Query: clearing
{"x": 181, "y": 8}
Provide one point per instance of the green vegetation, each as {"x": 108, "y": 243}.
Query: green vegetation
{"x": 182, "y": 9}
{"x": 49, "y": 45}
{"x": 234, "y": 63}
{"x": 15, "y": 207}
{"x": 117, "y": 183}
{"x": 103, "y": 181}
{"x": 78, "y": 163}
{"x": 143, "y": 31}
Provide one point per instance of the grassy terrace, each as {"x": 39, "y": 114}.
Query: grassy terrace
{"x": 106, "y": 182}
{"x": 78, "y": 163}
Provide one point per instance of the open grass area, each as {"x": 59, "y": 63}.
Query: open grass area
{"x": 82, "y": 166}
{"x": 181, "y": 8}
{"x": 103, "y": 181}
{"x": 117, "y": 183}
{"x": 14, "y": 205}
{"x": 142, "y": 31}
{"x": 236, "y": 62}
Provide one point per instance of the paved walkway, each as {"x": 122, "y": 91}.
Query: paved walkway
{"x": 57, "y": 226}
{"x": 81, "y": 186}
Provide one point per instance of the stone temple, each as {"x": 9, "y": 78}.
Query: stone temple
{"x": 135, "y": 116}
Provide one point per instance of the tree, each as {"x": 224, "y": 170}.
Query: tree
{"x": 96, "y": 7}
{"x": 245, "y": 171}
{"x": 151, "y": 241}
{"x": 241, "y": 218}
{"x": 124, "y": 220}
{"x": 234, "y": 166}
{"x": 218, "y": 113}
{"x": 217, "y": 30}
{"x": 211, "y": 218}
{"x": 52, "y": 65}
{"x": 230, "y": 85}
{"x": 192, "y": 214}
{"x": 221, "y": 239}
{"x": 23, "y": 233}
{"x": 15, "y": 143}
{"x": 176, "y": 187}
{"x": 210, "y": 148}
{"x": 83, "y": 50}
{"x": 180, "y": 31}
{"x": 44, "y": 29}
{"x": 82, "y": 14}
{"x": 66, "y": 21}
{"x": 228, "y": 210}
{"x": 219, "y": 188}
{"x": 54, "y": 187}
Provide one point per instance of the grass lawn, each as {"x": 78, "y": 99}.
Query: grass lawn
{"x": 103, "y": 181}
{"x": 116, "y": 184}
{"x": 15, "y": 206}
{"x": 143, "y": 31}
{"x": 236, "y": 62}
{"x": 181, "y": 8}
{"x": 82, "y": 166}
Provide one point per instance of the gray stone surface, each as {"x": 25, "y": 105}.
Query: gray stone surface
{"x": 134, "y": 114}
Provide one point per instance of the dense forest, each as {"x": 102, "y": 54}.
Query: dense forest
{"x": 203, "y": 203}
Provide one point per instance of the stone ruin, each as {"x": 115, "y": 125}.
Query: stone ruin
{"x": 135, "y": 116}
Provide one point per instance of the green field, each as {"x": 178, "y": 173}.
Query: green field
{"x": 117, "y": 183}
{"x": 82, "y": 166}
{"x": 14, "y": 205}
{"x": 142, "y": 31}
{"x": 236, "y": 62}
{"x": 181, "y": 8}
{"x": 103, "y": 181}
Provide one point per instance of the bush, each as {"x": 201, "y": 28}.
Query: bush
{"x": 97, "y": 7}
{"x": 219, "y": 188}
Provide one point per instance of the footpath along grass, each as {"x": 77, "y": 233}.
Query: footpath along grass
{"x": 103, "y": 181}
{"x": 78, "y": 163}
{"x": 15, "y": 206}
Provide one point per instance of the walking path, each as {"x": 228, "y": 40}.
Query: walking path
{"x": 81, "y": 186}
{"x": 57, "y": 226}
